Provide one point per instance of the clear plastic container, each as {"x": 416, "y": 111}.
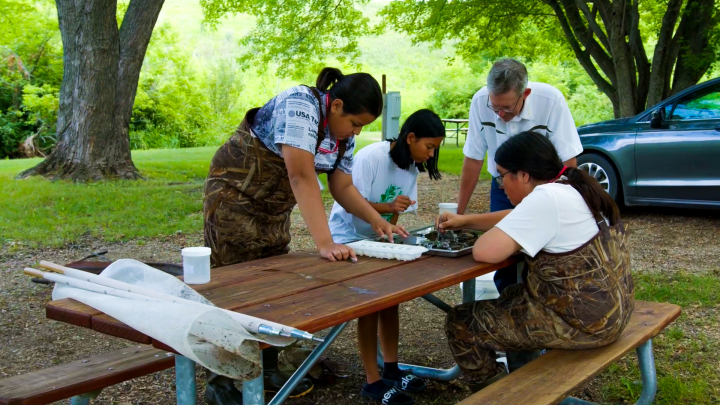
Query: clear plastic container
{"x": 196, "y": 265}
{"x": 387, "y": 250}
{"x": 448, "y": 207}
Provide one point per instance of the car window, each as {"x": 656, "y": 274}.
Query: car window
{"x": 702, "y": 106}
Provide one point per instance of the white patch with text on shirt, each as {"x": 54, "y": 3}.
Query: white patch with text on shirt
{"x": 291, "y": 118}
{"x": 379, "y": 180}
{"x": 553, "y": 218}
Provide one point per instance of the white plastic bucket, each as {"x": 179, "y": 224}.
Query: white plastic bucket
{"x": 196, "y": 265}
{"x": 485, "y": 287}
{"x": 448, "y": 207}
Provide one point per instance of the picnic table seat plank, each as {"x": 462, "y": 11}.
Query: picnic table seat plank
{"x": 533, "y": 384}
{"x": 90, "y": 374}
{"x": 331, "y": 305}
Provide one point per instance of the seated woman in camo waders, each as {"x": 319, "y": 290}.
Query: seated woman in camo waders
{"x": 386, "y": 174}
{"x": 270, "y": 164}
{"x": 577, "y": 290}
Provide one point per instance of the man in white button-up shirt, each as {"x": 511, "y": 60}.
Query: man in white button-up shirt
{"x": 508, "y": 105}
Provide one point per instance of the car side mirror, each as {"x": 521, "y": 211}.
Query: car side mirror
{"x": 657, "y": 118}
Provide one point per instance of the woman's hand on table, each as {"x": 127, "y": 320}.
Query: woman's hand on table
{"x": 385, "y": 228}
{"x": 337, "y": 252}
{"x": 449, "y": 222}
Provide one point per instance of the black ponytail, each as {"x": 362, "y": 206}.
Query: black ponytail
{"x": 424, "y": 124}
{"x": 534, "y": 154}
{"x": 359, "y": 92}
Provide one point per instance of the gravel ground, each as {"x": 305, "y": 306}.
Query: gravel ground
{"x": 662, "y": 240}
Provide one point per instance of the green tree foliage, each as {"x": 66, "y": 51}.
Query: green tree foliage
{"x": 192, "y": 91}
{"x": 30, "y": 64}
{"x": 290, "y": 31}
{"x": 610, "y": 39}
{"x": 172, "y": 108}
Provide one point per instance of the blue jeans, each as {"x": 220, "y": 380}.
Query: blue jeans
{"x": 499, "y": 201}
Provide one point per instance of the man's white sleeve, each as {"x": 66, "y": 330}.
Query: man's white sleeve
{"x": 562, "y": 131}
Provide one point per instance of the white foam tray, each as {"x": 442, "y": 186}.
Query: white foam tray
{"x": 387, "y": 250}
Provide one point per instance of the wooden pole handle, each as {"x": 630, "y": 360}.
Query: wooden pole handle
{"x": 56, "y": 268}
{"x": 32, "y": 272}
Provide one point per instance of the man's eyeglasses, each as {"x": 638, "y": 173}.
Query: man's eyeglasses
{"x": 499, "y": 179}
{"x": 497, "y": 110}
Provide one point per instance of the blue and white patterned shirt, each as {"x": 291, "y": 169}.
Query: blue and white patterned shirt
{"x": 292, "y": 118}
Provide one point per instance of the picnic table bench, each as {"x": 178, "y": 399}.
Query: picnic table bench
{"x": 461, "y": 127}
{"x": 309, "y": 293}
{"x": 550, "y": 378}
{"x": 83, "y": 379}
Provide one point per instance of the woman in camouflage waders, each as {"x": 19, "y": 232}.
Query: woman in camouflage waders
{"x": 578, "y": 288}
{"x": 270, "y": 164}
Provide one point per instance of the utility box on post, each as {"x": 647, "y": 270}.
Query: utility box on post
{"x": 391, "y": 115}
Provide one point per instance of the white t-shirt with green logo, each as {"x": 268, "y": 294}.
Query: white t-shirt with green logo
{"x": 379, "y": 180}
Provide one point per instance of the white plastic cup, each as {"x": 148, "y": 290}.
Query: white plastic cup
{"x": 448, "y": 207}
{"x": 196, "y": 265}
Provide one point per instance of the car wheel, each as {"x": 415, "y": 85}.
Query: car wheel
{"x": 603, "y": 171}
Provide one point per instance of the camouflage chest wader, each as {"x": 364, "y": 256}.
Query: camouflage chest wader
{"x": 576, "y": 300}
{"x": 248, "y": 199}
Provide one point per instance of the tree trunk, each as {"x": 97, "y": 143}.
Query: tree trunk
{"x": 628, "y": 78}
{"x": 622, "y": 59}
{"x": 695, "y": 54}
{"x": 101, "y": 73}
{"x": 660, "y": 65}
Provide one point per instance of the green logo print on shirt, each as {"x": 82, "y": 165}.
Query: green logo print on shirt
{"x": 390, "y": 195}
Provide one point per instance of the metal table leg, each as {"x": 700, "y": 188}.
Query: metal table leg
{"x": 186, "y": 387}
{"x": 468, "y": 293}
{"x": 457, "y": 134}
{"x": 437, "y": 374}
{"x": 253, "y": 391}
{"x": 300, "y": 373}
{"x": 83, "y": 399}
{"x": 647, "y": 373}
{"x": 437, "y": 302}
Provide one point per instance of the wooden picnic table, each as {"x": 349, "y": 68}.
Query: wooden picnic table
{"x": 461, "y": 125}
{"x": 304, "y": 291}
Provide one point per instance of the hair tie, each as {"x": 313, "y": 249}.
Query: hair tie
{"x": 560, "y": 174}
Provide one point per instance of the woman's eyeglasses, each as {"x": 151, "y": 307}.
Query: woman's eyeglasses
{"x": 499, "y": 179}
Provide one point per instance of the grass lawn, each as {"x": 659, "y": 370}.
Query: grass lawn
{"x": 685, "y": 354}
{"x": 37, "y": 212}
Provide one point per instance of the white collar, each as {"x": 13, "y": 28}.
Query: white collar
{"x": 527, "y": 111}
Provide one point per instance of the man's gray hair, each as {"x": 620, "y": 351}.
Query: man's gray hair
{"x": 507, "y": 74}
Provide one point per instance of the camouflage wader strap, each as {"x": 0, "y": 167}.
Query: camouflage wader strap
{"x": 605, "y": 229}
{"x": 342, "y": 147}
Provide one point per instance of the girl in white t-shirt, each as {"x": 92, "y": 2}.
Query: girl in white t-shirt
{"x": 385, "y": 173}
{"x": 577, "y": 291}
